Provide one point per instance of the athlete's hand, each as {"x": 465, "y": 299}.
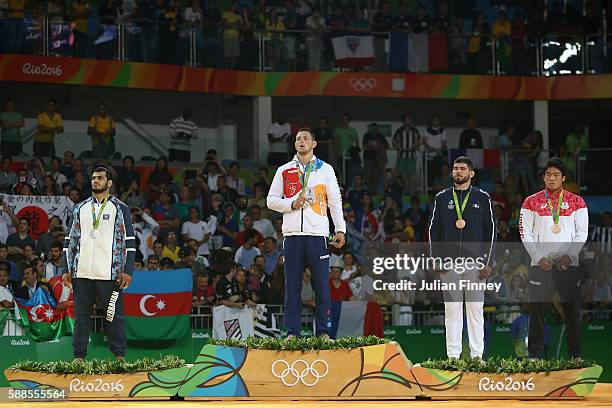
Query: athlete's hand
{"x": 67, "y": 279}
{"x": 545, "y": 265}
{"x": 485, "y": 272}
{"x": 338, "y": 240}
{"x": 299, "y": 203}
{"x": 124, "y": 280}
{"x": 564, "y": 262}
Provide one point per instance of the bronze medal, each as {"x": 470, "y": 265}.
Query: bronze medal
{"x": 556, "y": 229}
{"x": 460, "y": 223}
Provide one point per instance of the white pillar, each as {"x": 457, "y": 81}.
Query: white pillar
{"x": 540, "y": 122}
{"x": 262, "y": 118}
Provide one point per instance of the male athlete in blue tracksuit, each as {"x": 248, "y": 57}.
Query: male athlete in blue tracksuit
{"x": 462, "y": 226}
{"x": 302, "y": 190}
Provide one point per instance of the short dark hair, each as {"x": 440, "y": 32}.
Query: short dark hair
{"x": 305, "y": 129}
{"x": 26, "y": 220}
{"x": 51, "y": 100}
{"x": 556, "y": 163}
{"x": 56, "y": 245}
{"x": 166, "y": 261}
{"x": 465, "y": 160}
{"x": 406, "y": 115}
{"x": 99, "y": 169}
{"x": 7, "y": 158}
{"x": 271, "y": 238}
{"x": 153, "y": 258}
{"x": 258, "y": 256}
{"x": 234, "y": 163}
{"x": 250, "y": 234}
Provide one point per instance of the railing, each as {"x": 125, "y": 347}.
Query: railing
{"x": 393, "y": 315}
{"x": 193, "y": 44}
{"x": 528, "y": 157}
{"x": 590, "y": 165}
{"x": 598, "y": 50}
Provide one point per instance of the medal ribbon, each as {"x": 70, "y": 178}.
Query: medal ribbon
{"x": 463, "y": 205}
{"x": 96, "y": 220}
{"x": 555, "y": 214}
{"x": 305, "y": 175}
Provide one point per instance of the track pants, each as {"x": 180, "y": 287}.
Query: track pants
{"x": 85, "y": 291}
{"x": 542, "y": 285}
{"x": 303, "y": 251}
{"x": 453, "y": 317}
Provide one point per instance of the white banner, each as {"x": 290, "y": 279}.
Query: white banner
{"x": 38, "y": 210}
{"x": 354, "y": 50}
{"x": 233, "y": 322}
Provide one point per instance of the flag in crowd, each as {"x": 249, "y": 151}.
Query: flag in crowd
{"x": 41, "y": 317}
{"x": 157, "y": 305}
{"x": 354, "y": 50}
{"x": 356, "y": 318}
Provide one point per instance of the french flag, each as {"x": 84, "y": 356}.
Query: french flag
{"x": 356, "y": 318}
{"x": 482, "y": 158}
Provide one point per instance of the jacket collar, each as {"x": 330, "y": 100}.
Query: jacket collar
{"x": 295, "y": 159}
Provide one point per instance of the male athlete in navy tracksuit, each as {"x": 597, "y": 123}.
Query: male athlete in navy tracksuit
{"x": 462, "y": 225}
{"x": 302, "y": 190}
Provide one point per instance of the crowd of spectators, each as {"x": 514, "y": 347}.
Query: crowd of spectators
{"x": 214, "y": 220}
{"x": 424, "y": 37}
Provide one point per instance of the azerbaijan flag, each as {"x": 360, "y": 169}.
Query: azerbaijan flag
{"x": 157, "y": 304}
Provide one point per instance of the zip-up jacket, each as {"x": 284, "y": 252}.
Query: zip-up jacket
{"x": 322, "y": 192}
{"x": 108, "y": 255}
{"x": 477, "y": 239}
{"x": 535, "y": 226}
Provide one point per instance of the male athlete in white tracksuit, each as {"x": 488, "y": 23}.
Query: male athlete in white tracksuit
{"x": 462, "y": 225}
{"x": 302, "y": 190}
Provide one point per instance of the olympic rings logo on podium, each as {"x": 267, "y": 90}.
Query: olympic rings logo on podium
{"x": 362, "y": 84}
{"x": 291, "y": 374}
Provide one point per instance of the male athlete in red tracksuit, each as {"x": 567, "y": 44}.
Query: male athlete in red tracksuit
{"x": 554, "y": 226}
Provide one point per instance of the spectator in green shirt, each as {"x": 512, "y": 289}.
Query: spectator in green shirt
{"x": 576, "y": 143}
{"x": 346, "y": 137}
{"x": 577, "y": 140}
{"x": 11, "y": 122}
{"x": 185, "y": 202}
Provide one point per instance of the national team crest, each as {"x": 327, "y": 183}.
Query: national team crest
{"x": 353, "y": 43}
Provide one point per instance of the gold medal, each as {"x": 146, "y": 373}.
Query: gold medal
{"x": 460, "y": 223}
{"x": 556, "y": 229}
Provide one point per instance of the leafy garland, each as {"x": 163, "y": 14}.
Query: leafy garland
{"x": 491, "y": 365}
{"x": 301, "y": 343}
{"x": 100, "y": 367}
{"x": 506, "y": 365}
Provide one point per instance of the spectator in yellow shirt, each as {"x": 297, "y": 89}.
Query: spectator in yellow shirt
{"x": 502, "y": 29}
{"x": 274, "y": 29}
{"x": 15, "y": 26}
{"x": 80, "y": 10}
{"x": 171, "y": 249}
{"x": 102, "y": 131}
{"x": 49, "y": 124}
{"x": 232, "y": 22}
